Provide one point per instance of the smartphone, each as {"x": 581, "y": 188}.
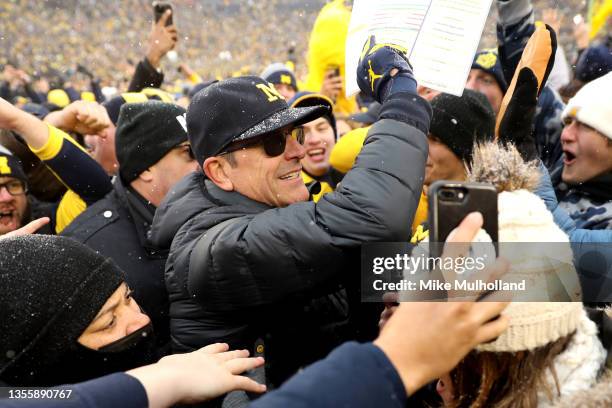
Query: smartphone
{"x": 335, "y": 69}
{"x": 159, "y": 8}
{"x": 451, "y": 201}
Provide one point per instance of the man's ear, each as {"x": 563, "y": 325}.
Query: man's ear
{"x": 146, "y": 176}
{"x": 216, "y": 169}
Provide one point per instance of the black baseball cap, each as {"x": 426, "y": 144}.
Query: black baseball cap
{"x": 238, "y": 109}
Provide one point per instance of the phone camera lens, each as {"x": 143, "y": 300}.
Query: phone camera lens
{"x": 447, "y": 194}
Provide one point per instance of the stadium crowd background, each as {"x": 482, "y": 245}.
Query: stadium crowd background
{"x": 217, "y": 38}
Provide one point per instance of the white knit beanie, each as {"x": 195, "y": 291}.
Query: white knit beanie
{"x": 592, "y": 105}
{"x": 524, "y": 218}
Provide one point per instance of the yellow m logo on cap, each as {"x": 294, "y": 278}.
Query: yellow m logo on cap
{"x": 270, "y": 92}
{"x": 4, "y": 167}
{"x": 285, "y": 79}
{"x": 487, "y": 61}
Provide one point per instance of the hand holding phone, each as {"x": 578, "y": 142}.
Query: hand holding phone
{"x": 332, "y": 82}
{"x": 451, "y": 201}
{"x": 159, "y": 9}
{"x": 163, "y": 35}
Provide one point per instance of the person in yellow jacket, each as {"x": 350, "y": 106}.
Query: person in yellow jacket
{"x": 326, "y": 55}
{"x": 319, "y": 140}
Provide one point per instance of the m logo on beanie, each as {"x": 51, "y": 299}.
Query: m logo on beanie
{"x": 487, "y": 60}
{"x": 285, "y": 79}
{"x": 182, "y": 119}
{"x": 4, "y": 167}
{"x": 270, "y": 91}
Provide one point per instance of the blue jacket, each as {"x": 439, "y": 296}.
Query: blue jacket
{"x": 592, "y": 248}
{"x": 111, "y": 391}
{"x": 354, "y": 375}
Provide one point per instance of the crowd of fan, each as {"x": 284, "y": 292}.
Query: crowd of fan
{"x": 54, "y": 36}
{"x": 49, "y": 38}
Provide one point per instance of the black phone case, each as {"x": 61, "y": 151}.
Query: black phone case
{"x": 444, "y": 216}
{"x": 159, "y": 8}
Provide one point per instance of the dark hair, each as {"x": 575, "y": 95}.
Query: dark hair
{"x": 231, "y": 159}
{"x": 570, "y": 90}
{"x": 506, "y": 379}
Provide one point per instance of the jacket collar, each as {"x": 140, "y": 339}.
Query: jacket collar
{"x": 193, "y": 195}
{"x": 141, "y": 212}
{"x": 222, "y": 197}
{"x": 599, "y": 188}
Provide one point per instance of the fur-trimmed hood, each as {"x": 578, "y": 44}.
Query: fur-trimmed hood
{"x": 503, "y": 167}
{"x": 596, "y": 397}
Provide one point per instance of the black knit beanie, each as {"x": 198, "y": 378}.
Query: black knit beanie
{"x": 51, "y": 289}
{"x": 145, "y": 133}
{"x": 459, "y": 122}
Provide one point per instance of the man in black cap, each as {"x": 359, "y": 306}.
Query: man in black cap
{"x": 487, "y": 77}
{"x": 252, "y": 263}
{"x": 153, "y": 153}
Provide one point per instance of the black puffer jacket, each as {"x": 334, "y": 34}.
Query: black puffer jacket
{"x": 239, "y": 270}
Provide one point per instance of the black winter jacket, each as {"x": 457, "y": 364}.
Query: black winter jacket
{"x": 239, "y": 271}
{"x": 117, "y": 228}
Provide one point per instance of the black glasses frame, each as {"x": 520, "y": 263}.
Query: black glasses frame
{"x": 10, "y": 187}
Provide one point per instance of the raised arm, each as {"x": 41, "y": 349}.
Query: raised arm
{"x": 162, "y": 39}
{"x": 86, "y": 180}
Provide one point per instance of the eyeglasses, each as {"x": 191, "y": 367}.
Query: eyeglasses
{"x": 273, "y": 143}
{"x": 14, "y": 187}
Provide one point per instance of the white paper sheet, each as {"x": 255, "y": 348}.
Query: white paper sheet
{"x": 441, "y": 36}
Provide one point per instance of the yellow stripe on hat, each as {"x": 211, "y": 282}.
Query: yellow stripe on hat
{"x": 162, "y": 95}
{"x": 134, "y": 97}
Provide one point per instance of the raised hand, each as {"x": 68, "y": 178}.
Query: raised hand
{"x": 384, "y": 69}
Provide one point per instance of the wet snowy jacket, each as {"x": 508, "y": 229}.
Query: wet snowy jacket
{"x": 244, "y": 273}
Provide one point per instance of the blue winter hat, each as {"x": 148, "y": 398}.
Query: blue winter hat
{"x": 594, "y": 63}
{"x": 278, "y": 73}
{"x": 488, "y": 61}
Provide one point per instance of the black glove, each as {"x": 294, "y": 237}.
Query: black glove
{"x": 517, "y": 113}
{"x": 517, "y": 123}
{"x": 374, "y": 75}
